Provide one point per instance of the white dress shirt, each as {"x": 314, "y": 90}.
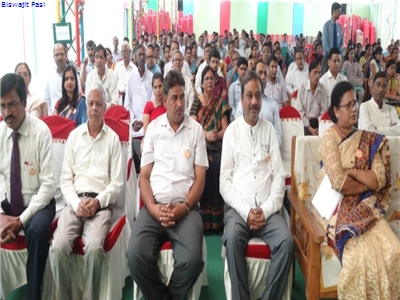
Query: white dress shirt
{"x": 252, "y": 173}
{"x": 92, "y": 165}
{"x": 138, "y": 91}
{"x": 309, "y": 105}
{"x": 200, "y": 51}
{"x": 185, "y": 69}
{"x": 109, "y": 83}
{"x": 123, "y": 74}
{"x": 37, "y": 168}
{"x": 53, "y": 90}
{"x": 198, "y": 76}
{"x": 384, "y": 121}
{"x": 116, "y": 56}
{"x": 234, "y": 93}
{"x": 269, "y": 111}
{"x": 329, "y": 82}
{"x": 295, "y": 78}
{"x": 174, "y": 155}
{"x": 294, "y": 65}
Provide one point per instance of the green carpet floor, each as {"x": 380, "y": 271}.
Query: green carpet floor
{"x": 215, "y": 289}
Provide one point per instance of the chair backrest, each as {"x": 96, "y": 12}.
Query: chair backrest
{"x": 126, "y": 198}
{"x": 393, "y": 213}
{"x": 60, "y": 128}
{"x": 324, "y": 124}
{"x": 306, "y": 166}
{"x": 118, "y": 112}
{"x": 291, "y": 125}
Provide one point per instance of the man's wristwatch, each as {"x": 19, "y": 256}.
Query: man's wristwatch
{"x": 187, "y": 207}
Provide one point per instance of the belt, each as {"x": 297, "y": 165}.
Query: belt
{"x": 87, "y": 195}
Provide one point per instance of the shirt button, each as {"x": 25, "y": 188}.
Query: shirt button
{"x": 255, "y": 177}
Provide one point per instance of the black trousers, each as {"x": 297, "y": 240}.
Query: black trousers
{"x": 37, "y": 232}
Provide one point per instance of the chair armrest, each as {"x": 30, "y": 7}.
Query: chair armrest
{"x": 307, "y": 219}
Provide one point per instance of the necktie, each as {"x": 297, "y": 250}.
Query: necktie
{"x": 334, "y": 36}
{"x": 17, "y": 202}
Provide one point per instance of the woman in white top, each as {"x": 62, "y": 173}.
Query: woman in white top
{"x": 377, "y": 63}
{"x": 35, "y": 106}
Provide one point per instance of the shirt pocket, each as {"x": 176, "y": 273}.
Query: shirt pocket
{"x": 30, "y": 176}
{"x": 184, "y": 160}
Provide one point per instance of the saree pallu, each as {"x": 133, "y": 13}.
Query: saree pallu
{"x": 211, "y": 201}
{"x": 366, "y": 245}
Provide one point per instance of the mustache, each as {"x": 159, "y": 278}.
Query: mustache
{"x": 9, "y": 118}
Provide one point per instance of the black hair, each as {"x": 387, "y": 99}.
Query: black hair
{"x": 214, "y": 53}
{"x": 173, "y": 78}
{"x": 334, "y": 50}
{"x": 157, "y": 75}
{"x": 64, "y": 97}
{"x": 250, "y": 76}
{"x": 15, "y": 82}
{"x": 242, "y": 61}
{"x": 338, "y": 91}
{"x": 313, "y": 65}
{"x": 272, "y": 58}
{"x": 100, "y": 48}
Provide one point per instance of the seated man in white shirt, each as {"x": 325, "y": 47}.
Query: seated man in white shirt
{"x": 234, "y": 91}
{"x": 27, "y": 166}
{"x": 298, "y": 75}
{"x": 375, "y": 114}
{"x": 138, "y": 91}
{"x": 312, "y": 100}
{"x": 252, "y": 185}
{"x": 185, "y": 69}
{"x": 172, "y": 178}
{"x": 53, "y": 89}
{"x": 269, "y": 108}
{"x": 332, "y": 76}
{"x": 123, "y": 69}
{"x": 177, "y": 63}
{"x": 275, "y": 87}
{"x": 104, "y": 77}
{"x": 91, "y": 180}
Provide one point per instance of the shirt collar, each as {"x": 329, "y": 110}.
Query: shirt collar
{"x": 376, "y": 104}
{"x": 86, "y": 131}
{"x": 308, "y": 85}
{"x": 24, "y": 128}
{"x": 247, "y": 126}
{"x": 185, "y": 122}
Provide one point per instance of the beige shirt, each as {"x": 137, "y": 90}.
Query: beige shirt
{"x": 92, "y": 165}
{"x": 174, "y": 155}
{"x": 309, "y": 105}
{"x": 37, "y": 169}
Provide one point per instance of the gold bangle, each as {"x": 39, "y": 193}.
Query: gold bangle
{"x": 366, "y": 188}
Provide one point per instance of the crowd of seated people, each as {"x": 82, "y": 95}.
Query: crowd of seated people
{"x": 188, "y": 100}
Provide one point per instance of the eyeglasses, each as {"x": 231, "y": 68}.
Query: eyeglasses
{"x": 234, "y": 59}
{"x": 349, "y": 105}
{"x": 11, "y": 106}
{"x": 178, "y": 60}
{"x": 208, "y": 79}
{"x": 150, "y": 56}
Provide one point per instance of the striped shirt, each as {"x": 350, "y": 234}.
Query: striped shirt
{"x": 277, "y": 91}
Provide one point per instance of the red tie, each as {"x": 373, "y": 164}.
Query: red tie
{"x": 17, "y": 201}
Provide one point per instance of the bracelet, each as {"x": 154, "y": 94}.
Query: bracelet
{"x": 366, "y": 188}
{"x": 187, "y": 207}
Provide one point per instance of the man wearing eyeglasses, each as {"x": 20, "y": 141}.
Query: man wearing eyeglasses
{"x": 375, "y": 114}
{"x": 53, "y": 89}
{"x": 28, "y": 170}
{"x": 177, "y": 64}
{"x": 150, "y": 64}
